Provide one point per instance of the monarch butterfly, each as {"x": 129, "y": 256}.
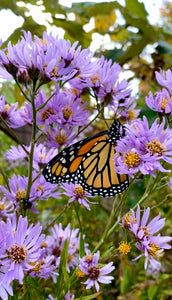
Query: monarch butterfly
{"x": 90, "y": 162}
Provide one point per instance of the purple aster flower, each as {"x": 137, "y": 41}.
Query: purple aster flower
{"x": 21, "y": 247}
{"x": 143, "y": 148}
{"x": 89, "y": 266}
{"x": 69, "y": 110}
{"x": 5, "y": 75}
{"x": 126, "y": 110}
{"x": 49, "y": 113}
{"x": 55, "y": 243}
{"x": 42, "y": 156}
{"x": 46, "y": 59}
{"x": 10, "y": 114}
{"x": 164, "y": 78}
{"x": 68, "y": 296}
{"x": 161, "y": 103}
{"x": 62, "y": 108}
{"x": 151, "y": 245}
{"x": 44, "y": 267}
{"x": 17, "y": 193}
{"x": 16, "y": 156}
{"x": 59, "y": 136}
{"x": 50, "y": 297}
{"x": 153, "y": 248}
{"x": 6, "y": 207}
{"x": 106, "y": 85}
{"x": 139, "y": 226}
{"x": 88, "y": 260}
{"x": 5, "y": 289}
{"x": 76, "y": 192}
{"x": 41, "y": 190}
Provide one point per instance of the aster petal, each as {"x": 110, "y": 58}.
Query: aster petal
{"x": 107, "y": 268}
{"x": 138, "y": 214}
{"x": 97, "y": 286}
{"x": 105, "y": 279}
{"x": 145, "y": 217}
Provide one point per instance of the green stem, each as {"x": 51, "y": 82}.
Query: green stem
{"x": 120, "y": 206}
{"x": 104, "y": 236}
{"x": 32, "y": 146}
{"x": 5, "y": 178}
{"x": 45, "y": 103}
{"x": 26, "y": 97}
{"x": 77, "y": 214}
{"x": 58, "y": 216}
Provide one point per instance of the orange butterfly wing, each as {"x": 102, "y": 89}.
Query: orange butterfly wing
{"x": 90, "y": 163}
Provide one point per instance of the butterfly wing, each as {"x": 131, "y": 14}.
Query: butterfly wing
{"x": 90, "y": 163}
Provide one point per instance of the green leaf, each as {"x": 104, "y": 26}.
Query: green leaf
{"x": 126, "y": 276}
{"x": 152, "y": 291}
{"x": 89, "y": 297}
{"x": 10, "y": 4}
{"x": 87, "y": 9}
{"x": 62, "y": 265}
{"x": 136, "y": 8}
{"x": 74, "y": 30}
{"x": 114, "y": 54}
{"x": 82, "y": 247}
{"x": 53, "y": 7}
{"x": 134, "y": 50}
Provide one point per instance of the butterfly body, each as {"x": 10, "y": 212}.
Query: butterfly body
{"x": 90, "y": 163}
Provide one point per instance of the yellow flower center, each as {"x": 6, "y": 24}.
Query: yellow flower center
{"x": 124, "y": 248}
{"x": 155, "y": 147}
{"x": 164, "y": 101}
{"x": 20, "y": 194}
{"x": 67, "y": 112}
{"x": 17, "y": 253}
{"x": 40, "y": 188}
{"x": 80, "y": 274}
{"x": 60, "y": 139}
{"x": 89, "y": 258}
{"x": 54, "y": 72}
{"x": 7, "y": 107}
{"x": 2, "y": 206}
{"x": 38, "y": 266}
{"x": 43, "y": 41}
{"x": 132, "y": 114}
{"x": 43, "y": 245}
{"x": 73, "y": 91}
{"x": 94, "y": 78}
{"x": 154, "y": 249}
{"x": 131, "y": 159}
{"x": 128, "y": 219}
{"x": 46, "y": 113}
{"x": 42, "y": 156}
{"x": 146, "y": 231}
{"x": 79, "y": 192}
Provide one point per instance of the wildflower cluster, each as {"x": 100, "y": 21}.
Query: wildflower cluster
{"x": 64, "y": 91}
{"x": 88, "y": 265}
{"x": 144, "y": 232}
